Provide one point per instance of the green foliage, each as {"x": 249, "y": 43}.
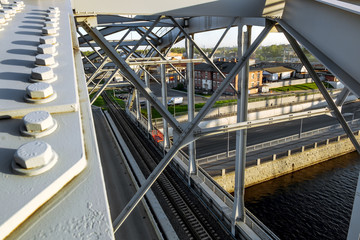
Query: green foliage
{"x": 87, "y": 53}
{"x": 180, "y": 87}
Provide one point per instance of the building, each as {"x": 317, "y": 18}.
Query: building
{"x": 299, "y": 70}
{"x": 207, "y": 79}
{"x": 277, "y": 73}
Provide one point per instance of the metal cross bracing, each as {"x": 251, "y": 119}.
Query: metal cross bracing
{"x": 184, "y": 27}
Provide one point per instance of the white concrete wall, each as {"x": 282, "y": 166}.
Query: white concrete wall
{"x": 284, "y": 83}
{"x": 273, "y": 169}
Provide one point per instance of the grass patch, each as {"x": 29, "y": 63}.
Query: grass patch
{"x": 305, "y": 86}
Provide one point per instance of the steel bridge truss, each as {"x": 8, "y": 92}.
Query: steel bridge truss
{"x": 158, "y": 34}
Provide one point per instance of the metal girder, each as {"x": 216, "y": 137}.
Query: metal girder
{"x": 238, "y": 211}
{"x": 160, "y": 54}
{"x": 202, "y": 53}
{"x": 88, "y": 60}
{"x": 105, "y": 32}
{"x": 321, "y": 87}
{"x": 105, "y": 60}
{"x": 98, "y": 93}
{"x": 142, "y": 30}
{"x": 330, "y": 33}
{"x": 124, "y": 43}
{"x": 131, "y": 76}
{"x": 90, "y": 45}
{"x": 182, "y": 138}
{"x": 244, "y": 8}
{"x": 342, "y": 97}
{"x": 143, "y": 37}
{"x": 221, "y": 38}
{"x": 203, "y": 24}
{"x": 192, "y": 168}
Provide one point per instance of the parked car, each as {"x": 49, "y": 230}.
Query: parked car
{"x": 175, "y": 101}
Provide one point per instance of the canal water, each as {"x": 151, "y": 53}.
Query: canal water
{"x": 313, "y": 203}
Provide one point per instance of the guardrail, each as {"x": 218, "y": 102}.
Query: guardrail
{"x": 275, "y": 142}
{"x": 290, "y": 152}
{"x": 251, "y": 221}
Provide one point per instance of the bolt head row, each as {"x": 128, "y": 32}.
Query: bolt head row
{"x": 39, "y": 90}
{"x": 33, "y": 154}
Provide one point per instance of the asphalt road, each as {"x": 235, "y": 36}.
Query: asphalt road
{"x": 119, "y": 186}
{"x": 211, "y": 145}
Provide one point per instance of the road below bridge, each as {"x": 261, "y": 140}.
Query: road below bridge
{"x": 216, "y": 144}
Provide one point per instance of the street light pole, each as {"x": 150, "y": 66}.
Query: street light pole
{"x": 301, "y": 126}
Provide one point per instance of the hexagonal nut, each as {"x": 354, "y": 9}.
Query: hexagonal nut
{"x": 53, "y": 11}
{"x": 46, "y": 49}
{"x": 19, "y": 2}
{"x": 5, "y": 15}
{"x": 44, "y": 60}
{"x": 10, "y": 11}
{"x": 53, "y": 15}
{"x": 42, "y": 73}
{"x": 39, "y": 90}
{"x": 33, "y": 154}
{"x": 49, "y": 30}
{"x": 48, "y": 40}
{"x": 51, "y": 24}
{"x": 52, "y": 19}
{"x": 38, "y": 121}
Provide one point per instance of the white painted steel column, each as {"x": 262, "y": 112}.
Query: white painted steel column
{"x": 164, "y": 102}
{"x": 148, "y": 104}
{"x": 191, "y": 105}
{"x": 138, "y": 106}
{"x": 244, "y": 39}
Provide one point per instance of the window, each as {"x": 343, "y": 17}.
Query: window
{"x": 252, "y": 75}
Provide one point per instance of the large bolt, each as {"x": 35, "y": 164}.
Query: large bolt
{"x": 38, "y": 121}
{"x": 51, "y": 24}
{"x": 42, "y": 73}
{"x": 11, "y": 12}
{"x": 16, "y": 8}
{"x": 53, "y": 15}
{"x": 49, "y": 30}
{"x": 46, "y": 49}
{"x": 44, "y": 60}
{"x": 6, "y": 16}
{"x": 54, "y": 8}
{"x": 39, "y": 90}
{"x": 21, "y": 3}
{"x": 48, "y": 40}
{"x": 33, "y": 154}
{"x": 53, "y": 19}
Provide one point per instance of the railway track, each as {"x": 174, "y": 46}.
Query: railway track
{"x": 187, "y": 214}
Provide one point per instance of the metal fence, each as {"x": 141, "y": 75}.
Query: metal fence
{"x": 289, "y": 152}
{"x": 221, "y": 156}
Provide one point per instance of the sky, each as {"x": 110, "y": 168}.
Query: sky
{"x": 209, "y": 39}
